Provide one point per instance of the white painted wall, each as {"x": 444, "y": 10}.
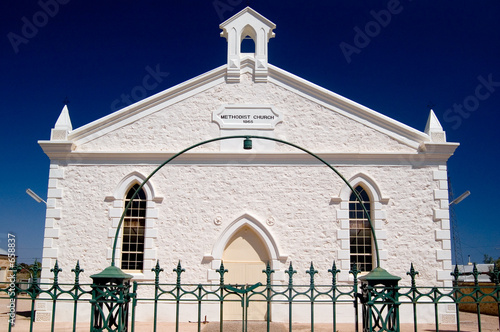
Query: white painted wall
{"x": 297, "y": 206}
{"x": 306, "y": 226}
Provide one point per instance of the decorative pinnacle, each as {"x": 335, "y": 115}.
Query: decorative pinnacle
{"x": 157, "y": 271}
{"x": 35, "y": 270}
{"x": 455, "y": 273}
{"x": 412, "y": 274}
{"x": 334, "y": 272}
{"x": 312, "y": 272}
{"x": 16, "y": 268}
{"x": 157, "y": 268}
{"x": 290, "y": 273}
{"x": 221, "y": 270}
{"x": 354, "y": 270}
{"x": 77, "y": 270}
{"x": 496, "y": 275}
{"x": 56, "y": 271}
{"x": 179, "y": 270}
{"x": 268, "y": 273}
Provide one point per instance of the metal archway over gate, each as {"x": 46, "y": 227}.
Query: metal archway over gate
{"x": 247, "y": 145}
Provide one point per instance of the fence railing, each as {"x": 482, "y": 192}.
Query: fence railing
{"x": 119, "y": 306}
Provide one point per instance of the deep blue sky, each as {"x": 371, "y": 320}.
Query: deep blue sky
{"x": 425, "y": 52}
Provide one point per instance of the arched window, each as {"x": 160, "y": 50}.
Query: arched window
{"x": 134, "y": 226}
{"x": 359, "y": 231}
{"x": 247, "y": 45}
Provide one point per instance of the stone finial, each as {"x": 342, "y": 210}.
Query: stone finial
{"x": 247, "y": 23}
{"x": 434, "y": 129}
{"x": 62, "y": 127}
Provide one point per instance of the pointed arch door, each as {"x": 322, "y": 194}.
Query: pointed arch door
{"x": 245, "y": 257}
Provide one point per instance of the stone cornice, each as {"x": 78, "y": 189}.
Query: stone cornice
{"x": 399, "y": 131}
{"x": 421, "y": 159}
{"x": 57, "y": 150}
{"x": 438, "y": 148}
{"x": 337, "y": 103}
{"x": 148, "y": 106}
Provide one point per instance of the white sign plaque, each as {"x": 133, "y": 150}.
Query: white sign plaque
{"x": 247, "y": 117}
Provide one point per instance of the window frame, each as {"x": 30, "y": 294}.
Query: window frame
{"x": 357, "y": 217}
{"x": 136, "y": 214}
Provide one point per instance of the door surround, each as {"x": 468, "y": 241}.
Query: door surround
{"x": 276, "y": 259}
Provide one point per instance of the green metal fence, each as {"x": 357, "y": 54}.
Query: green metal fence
{"x": 115, "y": 304}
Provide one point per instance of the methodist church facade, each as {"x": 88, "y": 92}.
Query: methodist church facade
{"x": 223, "y": 201}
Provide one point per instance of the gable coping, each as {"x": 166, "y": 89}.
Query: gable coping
{"x": 330, "y": 100}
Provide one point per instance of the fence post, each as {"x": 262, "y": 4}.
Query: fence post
{"x": 457, "y": 294}
{"x": 221, "y": 272}
{"x": 477, "y": 295}
{"x": 290, "y": 273}
{"x": 334, "y": 272}
{"x": 157, "y": 269}
{"x": 110, "y": 300}
{"x": 311, "y": 273}
{"x": 178, "y": 270}
{"x": 268, "y": 271}
{"x": 377, "y": 300}
{"x": 413, "y": 273}
{"x": 354, "y": 271}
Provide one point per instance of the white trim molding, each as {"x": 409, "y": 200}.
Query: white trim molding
{"x": 115, "y": 212}
{"x": 378, "y": 215}
{"x": 52, "y": 219}
{"x": 443, "y": 233}
{"x": 276, "y": 259}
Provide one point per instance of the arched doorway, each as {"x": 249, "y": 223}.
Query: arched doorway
{"x": 245, "y": 256}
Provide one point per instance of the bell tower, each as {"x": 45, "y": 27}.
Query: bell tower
{"x": 247, "y": 24}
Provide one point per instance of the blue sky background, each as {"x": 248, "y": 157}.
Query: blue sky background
{"x": 424, "y": 52}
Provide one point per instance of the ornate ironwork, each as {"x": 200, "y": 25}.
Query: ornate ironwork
{"x": 110, "y": 297}
{"x": 247, "y": 145}
{"x": 110, "y": 300}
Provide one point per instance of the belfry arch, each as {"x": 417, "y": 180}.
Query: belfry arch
{"x": 247, "y": 23}
{"x": 248, "y": 39}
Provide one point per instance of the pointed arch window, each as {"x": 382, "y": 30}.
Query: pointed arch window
{"x": 360, "y": 231}
{"x": 248, "y": 40}
{"x": 247, "y": 45}
{"x": 134, "y": 227}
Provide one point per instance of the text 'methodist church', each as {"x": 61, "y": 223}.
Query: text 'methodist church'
{"x": 247, "y": 207}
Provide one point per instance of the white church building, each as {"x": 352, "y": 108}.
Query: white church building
{"x": 273, "y": 203}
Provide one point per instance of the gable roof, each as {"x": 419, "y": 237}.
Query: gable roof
{"x": 311, "y": 91}
{"x": 250, "y": 11}
{"x": 263, "y": 72}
